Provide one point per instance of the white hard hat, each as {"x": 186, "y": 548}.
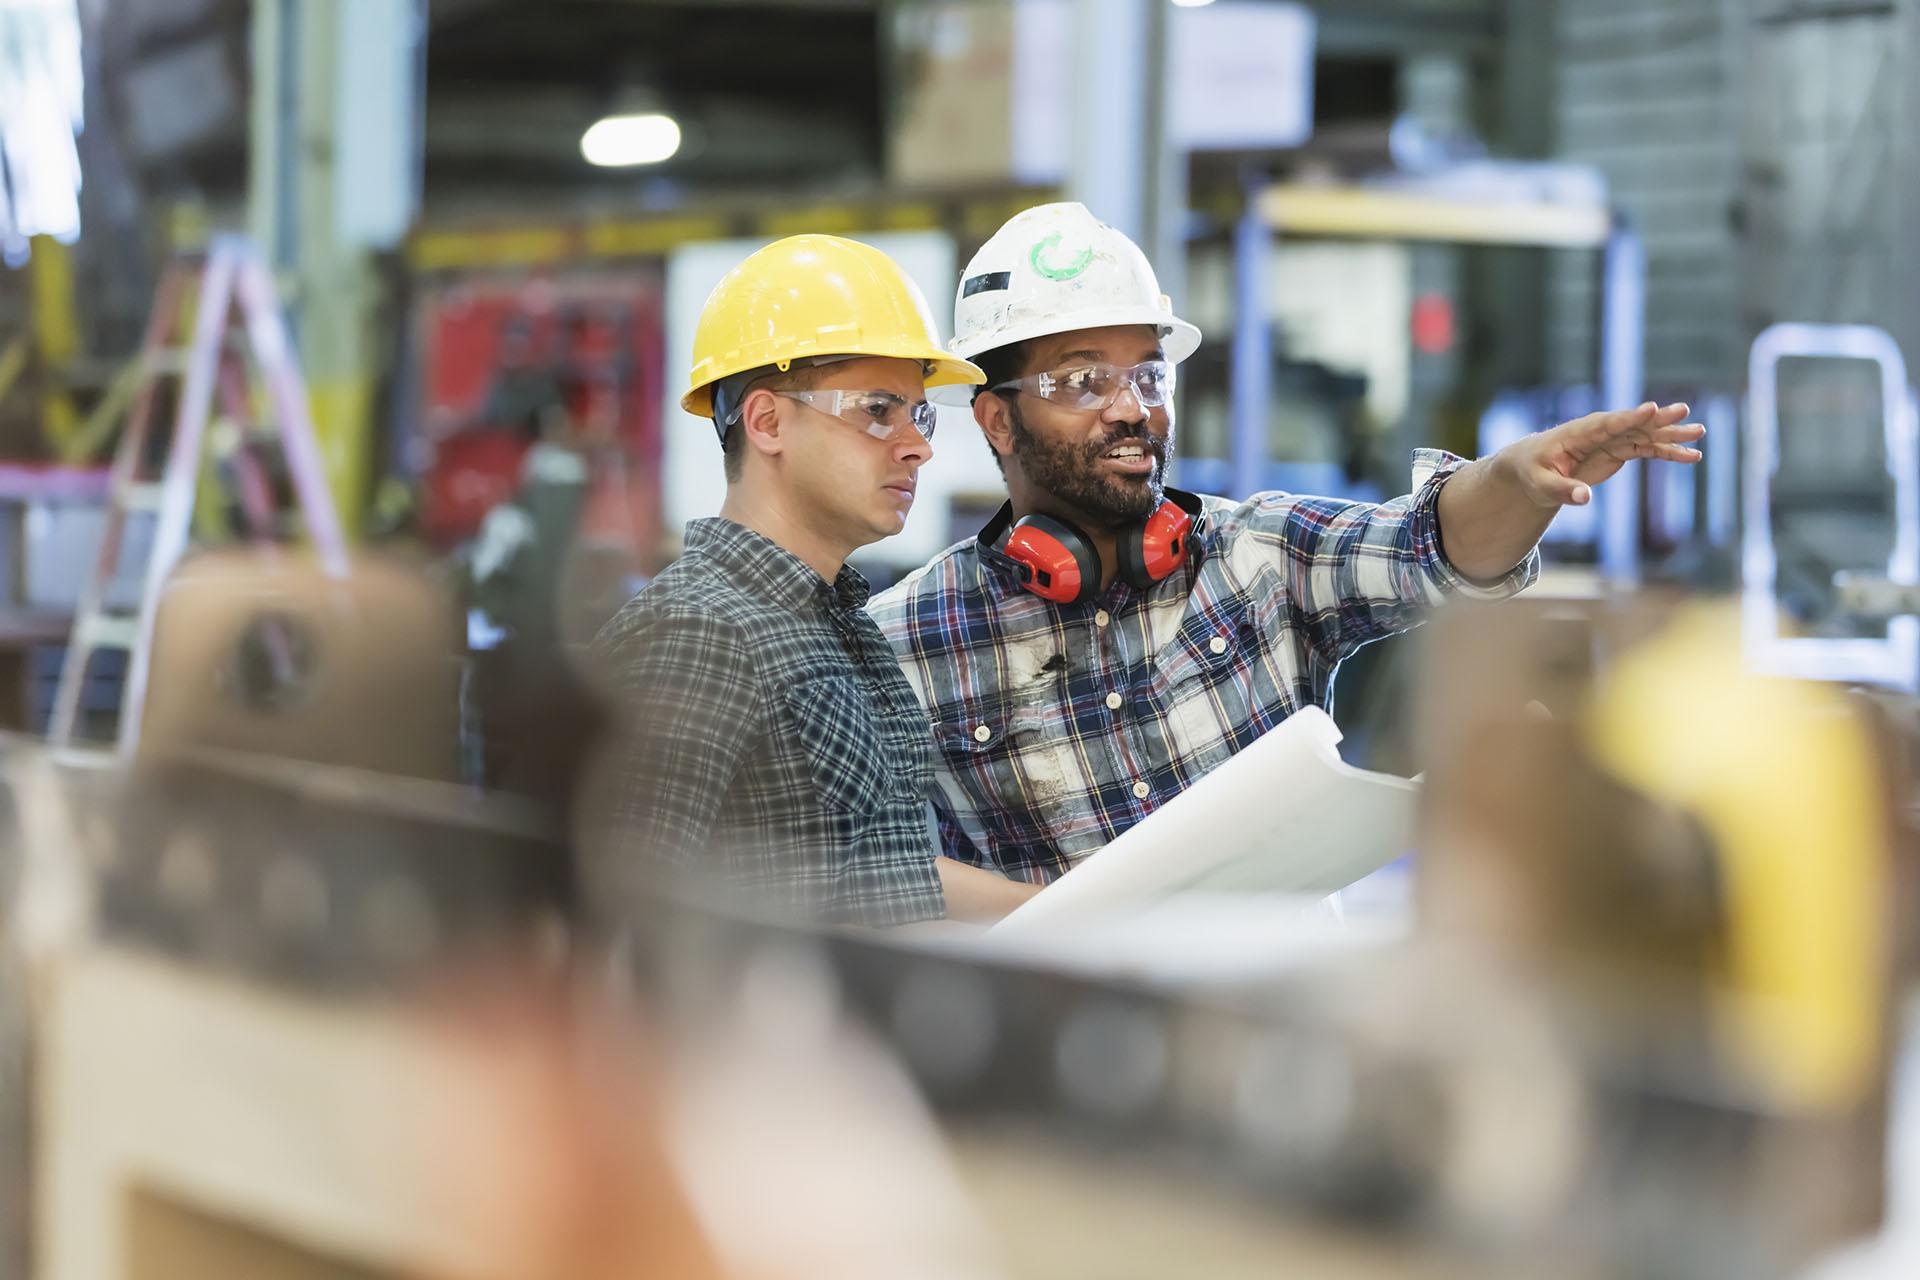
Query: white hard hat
{"x": 1056, "y": 268}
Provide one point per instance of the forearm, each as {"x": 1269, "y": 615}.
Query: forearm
{"x": 1488, "y": 521}
{"x": 979, "y": 895}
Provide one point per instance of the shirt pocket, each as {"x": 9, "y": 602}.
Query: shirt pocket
{"x": 1017, "y": 765}
{"x": 1213, "y": 690}
{"x": 841, "y": 741}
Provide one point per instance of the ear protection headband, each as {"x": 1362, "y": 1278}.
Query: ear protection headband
{"x": 1058, "y": 561}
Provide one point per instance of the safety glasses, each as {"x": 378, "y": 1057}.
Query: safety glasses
{"x": 880, "y": 414}
{"x": 1095, "y": 386}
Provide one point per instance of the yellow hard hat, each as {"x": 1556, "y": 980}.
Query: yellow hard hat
{"x": 810, "y": 296}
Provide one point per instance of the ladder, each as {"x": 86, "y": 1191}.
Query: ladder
{"x": 234, "y": 311}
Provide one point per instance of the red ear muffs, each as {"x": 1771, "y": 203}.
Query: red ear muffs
{"x": 1157, "y": 546}
{"x": 1060, "y": 563}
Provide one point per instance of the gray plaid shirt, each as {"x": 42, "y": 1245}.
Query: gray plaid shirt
{"x": 770, "y": 748}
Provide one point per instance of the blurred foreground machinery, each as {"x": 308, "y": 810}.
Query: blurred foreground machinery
{"x": 1641, "y": 1027}
{"x": 290, "y": 824}
{"x": 302, "y": 1007}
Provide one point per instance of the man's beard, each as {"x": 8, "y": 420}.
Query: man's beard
{"x": 1073, "y": 474}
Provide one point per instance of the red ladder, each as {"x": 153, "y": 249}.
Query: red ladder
{"x": 229, "y": 277}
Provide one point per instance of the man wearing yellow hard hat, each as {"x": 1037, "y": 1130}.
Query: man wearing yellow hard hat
{"x": 772, "y": 751}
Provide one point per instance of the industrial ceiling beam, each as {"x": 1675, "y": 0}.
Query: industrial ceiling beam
{"x": 1380, "y": 27}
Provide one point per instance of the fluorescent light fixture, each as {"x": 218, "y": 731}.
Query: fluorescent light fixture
{"x": 620, "y": 142}
{"x": 1191, "y": 4}
{"x": 41, "y": 87}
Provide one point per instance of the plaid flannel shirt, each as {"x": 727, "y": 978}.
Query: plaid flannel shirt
{"x": 769, "y": 748}
{"x": 1058, "y": 727}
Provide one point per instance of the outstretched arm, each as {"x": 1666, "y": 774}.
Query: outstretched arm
{"x": 1494, "y": 511}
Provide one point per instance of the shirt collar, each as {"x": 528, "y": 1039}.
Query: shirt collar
{"x": 768, "y": 569}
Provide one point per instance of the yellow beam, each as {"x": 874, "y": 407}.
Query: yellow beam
{"x": 910, "y": 217}
{"x": 648, "y": 237}
{"x": 343, "y": 421}
{"x": 56, "y": 331}
{"x": 103, "y": 422}
{"x": 13, "y": 362}
{"x": 1363, "y": 214}
{"x": 827, "y": 219}
{"x": 189, "y": 227}
{"x": 56, "y": 327}
{"x": 517, "y": 247}
{"x": 455, "y": 248}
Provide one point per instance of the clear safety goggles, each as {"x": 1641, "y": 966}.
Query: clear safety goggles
{"x": 881, "y": 414}
{"x": 1095, "y": 386}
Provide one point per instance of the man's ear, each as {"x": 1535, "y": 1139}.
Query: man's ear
{"x": 760, "y": 419}
{"x": 996, "y": 422}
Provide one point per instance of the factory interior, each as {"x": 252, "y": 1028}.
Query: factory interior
{"x": 959, "y": 640}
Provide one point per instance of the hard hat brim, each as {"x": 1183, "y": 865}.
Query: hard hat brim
{"x": 944, "y": 369}
{"x": 1181, "y": 341}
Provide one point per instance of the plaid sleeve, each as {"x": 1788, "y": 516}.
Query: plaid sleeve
{"x": 1358, "y": 571}
{"x": 689, "y": 711}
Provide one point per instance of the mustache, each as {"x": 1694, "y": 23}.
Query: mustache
{"x": 1160, "y": 446}
{"x": 1131, "y": 431}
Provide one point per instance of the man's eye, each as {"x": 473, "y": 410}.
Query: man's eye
{"x": 1083, "y": 380}
{"x": 877, "y": 409}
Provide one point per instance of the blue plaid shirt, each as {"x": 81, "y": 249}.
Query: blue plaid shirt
{"x": 1059, "y": 727}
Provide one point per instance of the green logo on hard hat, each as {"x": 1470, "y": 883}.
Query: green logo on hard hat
{"x": 1058, "y": 271}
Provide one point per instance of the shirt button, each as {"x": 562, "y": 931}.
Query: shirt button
{"x": 1140, "y": 790}
{"x": 1113, "y": 702}
{"x": 982, "y": 733}
{"x": 1102, "y": 618}
{"x": 1218, "y": 644}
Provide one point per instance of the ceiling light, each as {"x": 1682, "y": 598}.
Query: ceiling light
{"x": 1191, "y": 4}
{"x": 620, "y": 142}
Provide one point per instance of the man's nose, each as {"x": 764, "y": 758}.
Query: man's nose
{"x": 1125, "y": 407}
{"x": 911, "y": 446}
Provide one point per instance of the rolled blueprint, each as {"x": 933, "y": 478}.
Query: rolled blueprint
{"x": 1285, "y": 816}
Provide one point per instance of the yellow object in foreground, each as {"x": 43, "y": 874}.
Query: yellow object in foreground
{"x": 1783, "y": 777}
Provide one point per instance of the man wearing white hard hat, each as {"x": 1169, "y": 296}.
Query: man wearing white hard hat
{"x": 1107, "y": 640}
